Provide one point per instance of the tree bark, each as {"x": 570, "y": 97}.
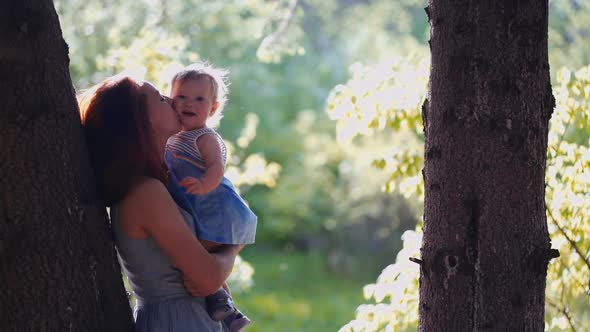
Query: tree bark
{"x": 486, "y": 246}
{"x": 58, "y": 267}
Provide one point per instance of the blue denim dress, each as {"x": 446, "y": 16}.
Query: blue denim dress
{"x": 221, "y": 216}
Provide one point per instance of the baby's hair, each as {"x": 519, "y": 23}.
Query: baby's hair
{"x": 216, "y": 76}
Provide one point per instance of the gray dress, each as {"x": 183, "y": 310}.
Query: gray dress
{"x": 163, "y": 303}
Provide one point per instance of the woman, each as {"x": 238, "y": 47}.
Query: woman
{"x": 126, "y": 124}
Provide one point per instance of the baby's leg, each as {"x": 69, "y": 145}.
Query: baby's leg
{"x": 220, "y": 305}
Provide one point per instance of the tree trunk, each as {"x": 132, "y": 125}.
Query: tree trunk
{"x": 486, "y": 246}
{"x": 58, "y": 268}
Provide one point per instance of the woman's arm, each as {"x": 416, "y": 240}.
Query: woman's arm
{"x": 226, "y": 257}
{"x": 210, "y": 151}
{"x": 150, "y": 209}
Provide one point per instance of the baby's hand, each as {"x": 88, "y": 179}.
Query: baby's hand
{"x": 192, "y": 185}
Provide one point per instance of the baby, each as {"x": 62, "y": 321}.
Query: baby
{"x": 196, "y": 159}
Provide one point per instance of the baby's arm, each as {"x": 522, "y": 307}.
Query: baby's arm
{"x": 211, "y": 153}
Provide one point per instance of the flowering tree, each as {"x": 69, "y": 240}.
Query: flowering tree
{"x": 395, "y": 292}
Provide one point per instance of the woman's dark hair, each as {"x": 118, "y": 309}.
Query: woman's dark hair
{"x": 119, "y": 136}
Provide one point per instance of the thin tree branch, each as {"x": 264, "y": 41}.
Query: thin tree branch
{"x": 571, "y": 242}
{"x": 562, "y": 311}
{"x": 283, "y": 24}
{"x": 570, "y": 277}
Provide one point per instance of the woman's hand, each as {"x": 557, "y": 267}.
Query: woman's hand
{"x": 194, "y": 289}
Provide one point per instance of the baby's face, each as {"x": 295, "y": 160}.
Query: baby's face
{"x": 194, "y": 102}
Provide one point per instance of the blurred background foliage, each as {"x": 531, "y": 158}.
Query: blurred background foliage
{"x": 324, "y": 129}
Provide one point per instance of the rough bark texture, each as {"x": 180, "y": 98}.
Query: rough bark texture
{"x": 486, "y": 245}
{"x": 58, "y": 268}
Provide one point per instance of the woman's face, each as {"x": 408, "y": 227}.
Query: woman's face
{"x": 164, "y": 119}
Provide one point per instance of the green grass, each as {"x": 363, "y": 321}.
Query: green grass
{"x": 296, "y": 292}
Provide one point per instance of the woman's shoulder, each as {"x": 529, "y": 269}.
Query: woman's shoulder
{"x": 147, "y": 183}
{"x": 147, "y": 203}
{"x": 146, "y": 187}
{"x": 145, "y": 194}
{"x": 132, "y": 210}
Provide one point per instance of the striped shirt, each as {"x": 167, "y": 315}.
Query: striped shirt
{"x": 185, "y": 143}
